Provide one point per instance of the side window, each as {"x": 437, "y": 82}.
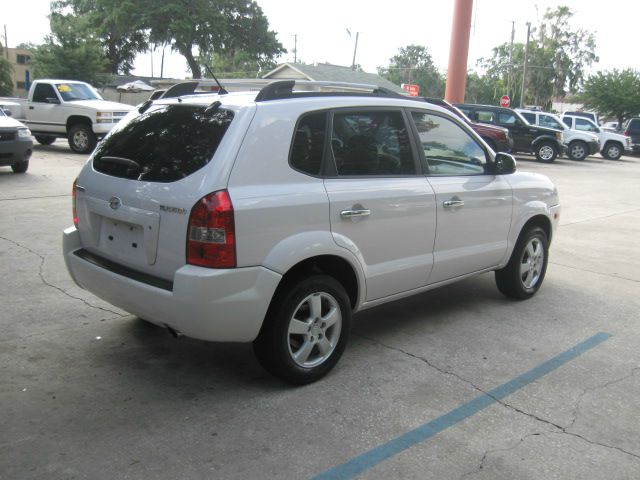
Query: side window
{"x": 567, "y": 121}
{"x": 484, "y": 116}
{"x": 507, "y": 118}
{"x": 42, "y": 92}
{"x": 308, "y": 143}
{"x": 584, "y": 125}
{"x": 371, "y": 143}
{"x": 448, "y": 149}
{"x": 530, "y": 117}
{"x": 548, "y": 121}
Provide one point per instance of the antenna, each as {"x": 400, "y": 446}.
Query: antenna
{"x": 221, "y": 89}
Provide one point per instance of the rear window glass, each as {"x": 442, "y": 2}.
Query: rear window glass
{"x": 308, "y": 143}
{"x": 163, "y": 144}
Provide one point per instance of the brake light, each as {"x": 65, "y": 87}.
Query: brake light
{"x": 211, "y": 239}
{"x": 626, "y": 133}
{"x": 73, "y": 203}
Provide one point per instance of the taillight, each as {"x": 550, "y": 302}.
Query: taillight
{"x": 626, "y": 133}
{"x": 211, "y": 239}
{"x": 73, "y": 203}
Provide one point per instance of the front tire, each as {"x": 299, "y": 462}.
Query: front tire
{"x": 578, "y": 150}
{"x": 45, "y": 139}
{"x": 546, "y": 152}
{"x": 306, "y": 330}
{"x": 612, "y": 151}
{"x": 82, "y": 139}
{"x": 523, "y": 275}
{"x": 20, "y": 167}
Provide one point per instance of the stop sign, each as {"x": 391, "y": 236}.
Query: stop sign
{"x": 505, "y": 101}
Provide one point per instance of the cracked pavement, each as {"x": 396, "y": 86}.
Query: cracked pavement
{"x": 89, "y": 391}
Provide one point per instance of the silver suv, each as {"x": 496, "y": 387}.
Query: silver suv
{"x": 271, "y": 218}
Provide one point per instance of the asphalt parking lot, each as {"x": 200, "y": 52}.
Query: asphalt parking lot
{"x": 454, "y": 383}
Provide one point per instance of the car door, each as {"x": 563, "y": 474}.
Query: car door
{"x": 473, "y": 205}
{"x": 381, "y": 207}
{"x": 42, "y": 114}
{"x": 523, "y": 134}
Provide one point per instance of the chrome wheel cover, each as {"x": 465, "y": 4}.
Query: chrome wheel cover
{"x": 531, "y": 263}
{"x": 613, "y": 151}
{"x": 314, "y": 330}
{"x": 578, "y": 151}
{"x": 81, "y": 139}
{"x": 546, "y": 152}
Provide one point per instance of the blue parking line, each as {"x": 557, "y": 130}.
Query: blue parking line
{"x": 379, "y": 454}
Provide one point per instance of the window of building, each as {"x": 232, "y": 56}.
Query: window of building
{"x": 23, "y": 59}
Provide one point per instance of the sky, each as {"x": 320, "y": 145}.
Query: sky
{"x": 322, "y": 28}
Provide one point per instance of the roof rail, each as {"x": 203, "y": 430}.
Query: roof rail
{"x": 283, "y": 89}
{"x": 179, "y": 89}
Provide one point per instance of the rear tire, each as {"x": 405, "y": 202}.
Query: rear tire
{"x": 546, "y": 152}
{"x": 306, "y": 329}
{"x": 82, "y": 139}
{"x": 578, "y": 150}
{"x": 612, "y": 151}
{"x": 44, "y": 139}
{"x": 523, "y": 275}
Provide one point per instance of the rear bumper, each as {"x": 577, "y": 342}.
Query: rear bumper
{"x": 15, "y": 151}
{"x": 207, "y": 304}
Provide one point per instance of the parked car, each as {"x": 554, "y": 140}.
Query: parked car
{"x": 611, "y": 127}
{"x": 612, "y": 145}
{"x": 15, "y": 144}
{"x": 270, "y": 218}
{"x": 593, "y": 116}
{"x": 579, "y": 144}
{"x": 68, "y": 109}
{"x": 498, "y": 138}
{"x": 545, "y": 143}
{"x": 631, "y": 130}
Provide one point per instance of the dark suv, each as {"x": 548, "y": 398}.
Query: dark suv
{"x": 498, "y": 138}
{"x": 632, "y": 129}
{"x": 545, "y": 143}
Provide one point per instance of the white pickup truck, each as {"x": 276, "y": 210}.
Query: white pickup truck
{"x": 67, "y": 109}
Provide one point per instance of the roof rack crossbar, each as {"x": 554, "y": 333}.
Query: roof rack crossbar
{"x": 282, "y": 89}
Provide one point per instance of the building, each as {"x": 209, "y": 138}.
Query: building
{"x": 326, "y": 72}
{"x": 20, "y": 60}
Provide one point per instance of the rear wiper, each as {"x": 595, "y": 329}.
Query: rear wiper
{"x": 125, "y": 162}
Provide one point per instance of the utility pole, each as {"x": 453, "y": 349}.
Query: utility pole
{"x": 524, "y": 69}
{"x": 162, "y": 60}
{"x": 6, "y": 42}
{"x": 355, "y": 49}
{"x": 295, "y": 48}
{"x": 513, "y": 32}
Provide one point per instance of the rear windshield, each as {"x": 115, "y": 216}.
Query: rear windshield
{"x": 164, "y": 144}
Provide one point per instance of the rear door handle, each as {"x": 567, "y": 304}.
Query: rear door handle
{"x": 30, "y": 108}
{"x": 364, "y": 212}
{"x": 453, "y": 203}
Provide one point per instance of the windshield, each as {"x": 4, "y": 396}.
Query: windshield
{"x": 71, "y": 92}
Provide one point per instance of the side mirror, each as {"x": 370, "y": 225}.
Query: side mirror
{"x": 53, "y": 100}
{"x": 504, "y": 164}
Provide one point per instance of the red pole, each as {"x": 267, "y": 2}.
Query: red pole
{"x": 459, "y": 51}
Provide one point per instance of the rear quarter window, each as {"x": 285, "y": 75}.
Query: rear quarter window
{"x": 164, "y": 144}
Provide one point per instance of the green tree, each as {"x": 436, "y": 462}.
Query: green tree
{"x": 483, "y": 89}
{"x": 558, "y": 56}
{"x": 6, "y": 83}
{"x": 118, "y": 25}
{"x": 201, "y": 28}
{"x": 413, "y": 64}
{"x": 236, "y": 63}
{"x": 613, "y": 94}
{"x": 68, "y": 53}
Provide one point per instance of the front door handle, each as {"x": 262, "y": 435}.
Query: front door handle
{"x": 30, "y": 108}
{"x": 363, "y": 212}
{"x": 453, "y": 203}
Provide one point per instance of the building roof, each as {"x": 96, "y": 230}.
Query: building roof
{"x": 331, "y": 73}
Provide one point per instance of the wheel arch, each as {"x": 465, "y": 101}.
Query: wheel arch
{"x": 78, "y": 119}
{"x": 335, "y": 266}
{"x": 546, "y": 138}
